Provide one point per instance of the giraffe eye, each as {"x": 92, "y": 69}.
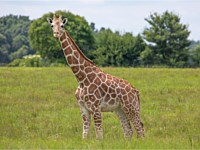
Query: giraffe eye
{"x": 52, "y": 26}
{"x": 62, "y": 26}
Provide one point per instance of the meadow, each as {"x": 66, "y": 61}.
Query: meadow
{"x": 38, "y": 110}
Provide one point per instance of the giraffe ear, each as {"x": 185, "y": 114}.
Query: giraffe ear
{"x": 49, "y": 20}
{"x": 64, "y": 21}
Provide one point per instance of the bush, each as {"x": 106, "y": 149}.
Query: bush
{"x": 29, "y": 61}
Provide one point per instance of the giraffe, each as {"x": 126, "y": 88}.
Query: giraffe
{"x": 98, "y": 91}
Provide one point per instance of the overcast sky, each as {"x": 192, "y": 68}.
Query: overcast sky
{"x": 121, "y": 15}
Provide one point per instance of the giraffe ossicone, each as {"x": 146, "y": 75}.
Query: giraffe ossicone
{"x": 98, "y": 91}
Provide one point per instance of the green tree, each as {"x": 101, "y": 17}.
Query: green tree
{"x": 4, "y": 46}
{"x": 42, "y": 40}
{"x": 22, "y": 51}
{"x": 14, "y": 38}
{"x": 107, "y": 48}
{"x": 168, "y": 39}
{"x": 114, "y": 49}
{"x": 133, "y": 47}
{"x": 146, "y": 57}
{"x": 196, "y": 56}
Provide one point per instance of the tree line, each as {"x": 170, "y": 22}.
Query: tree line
{"x": 14, "y": 42}
{"x": 163, "y": 43}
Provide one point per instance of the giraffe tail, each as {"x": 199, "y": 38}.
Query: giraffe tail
{"x": 138, "y": 96}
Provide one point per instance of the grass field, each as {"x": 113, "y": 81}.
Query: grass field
{"x": 38, "y": 110}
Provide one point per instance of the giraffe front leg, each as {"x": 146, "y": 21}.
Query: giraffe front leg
{"x": 86, "y": 122}
{"x": 98, "y": 124}
{"x": 85, "y": 114}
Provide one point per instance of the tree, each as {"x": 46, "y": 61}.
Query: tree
{"x": 92, "y": 26}
{"x": 196, "y": 56}
{"x": 105, "y": 52}
{"x": 22, "y": 51}
{"x": 133, "y": 47}
{"x": 168, "y": 39}
{"x": 42, "y": 40}
{"x": 114, "y": 49}
{"x": 14, "y": 38}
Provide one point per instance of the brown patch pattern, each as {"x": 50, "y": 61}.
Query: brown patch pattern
{"x": 96, "y": 87}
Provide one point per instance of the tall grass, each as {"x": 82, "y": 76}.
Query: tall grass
{"x": 38, "y": 109}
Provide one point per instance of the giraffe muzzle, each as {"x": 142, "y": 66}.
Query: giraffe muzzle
{"x": 56, "y": 34}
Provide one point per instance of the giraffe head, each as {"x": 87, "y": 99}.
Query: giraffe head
{"x": 57, "y": 24}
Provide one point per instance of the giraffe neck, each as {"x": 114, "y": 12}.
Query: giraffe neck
{"x": 77, "y": 61}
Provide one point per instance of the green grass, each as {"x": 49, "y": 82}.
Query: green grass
{"x": 38, "y": 110}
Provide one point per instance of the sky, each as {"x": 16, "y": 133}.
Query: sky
{"x": 120, "y": 15}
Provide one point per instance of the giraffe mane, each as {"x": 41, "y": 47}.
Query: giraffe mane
{"x": 81, "y": 53}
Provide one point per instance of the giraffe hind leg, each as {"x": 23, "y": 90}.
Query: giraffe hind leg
{"x": 125, "y": 123}
{"x": 138, "y": 124}
{"x": 133, "y": 113}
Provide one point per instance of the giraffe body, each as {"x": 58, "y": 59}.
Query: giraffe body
{"x": 98, "y": 91}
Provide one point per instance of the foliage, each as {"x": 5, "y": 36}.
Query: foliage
{"x": 42, "y": 40}
{"x": 196, "y": 56}
{"x": 194, "y": 44}
{"x": 29, "y": 61}
{"x": 39, "y": 110}
{"x": 168, "y": 39}
{"x": 113, "y": 49}
{"x": 166, "y": 42}
{"x": 14, "y": 41}
{"x": 34, "y": 61}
